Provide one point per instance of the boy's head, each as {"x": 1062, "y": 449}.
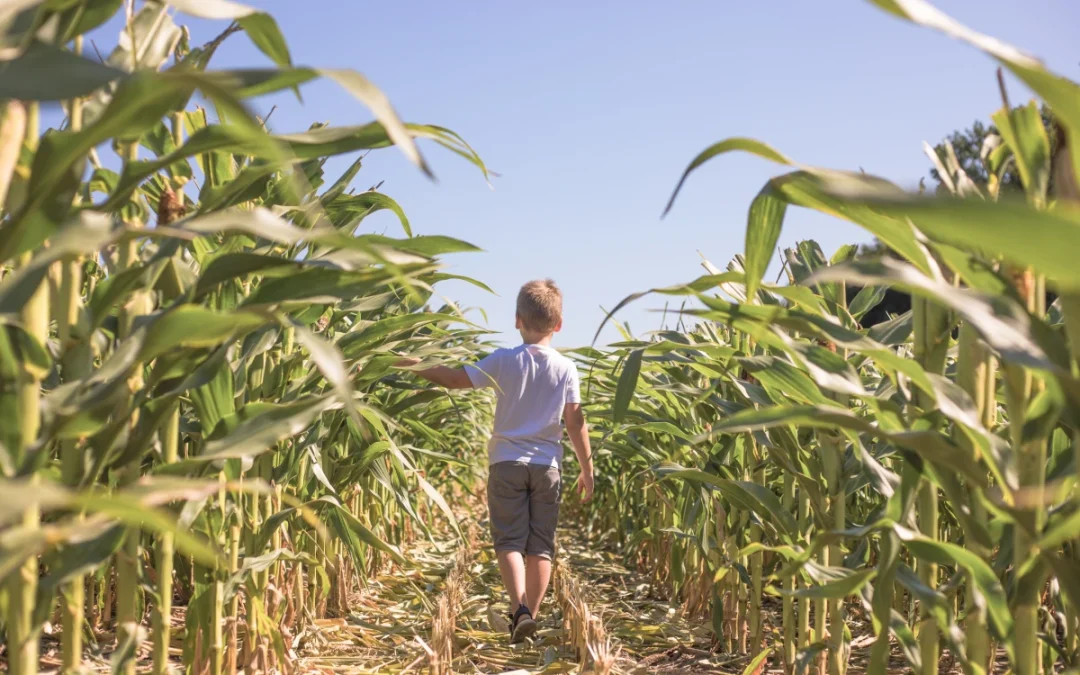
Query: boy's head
{"x": 539, "y": 308}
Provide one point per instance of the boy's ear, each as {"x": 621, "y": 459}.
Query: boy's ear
{"x": 558, "y": 327}
{"x": 517, "y": 322}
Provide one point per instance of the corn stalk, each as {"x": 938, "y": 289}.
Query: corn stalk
{"x": 205, "y": 361}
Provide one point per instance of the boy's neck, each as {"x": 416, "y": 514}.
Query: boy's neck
{"x": 536, "y": 338}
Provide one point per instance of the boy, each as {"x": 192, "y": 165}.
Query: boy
{"x": 535, "y": 386}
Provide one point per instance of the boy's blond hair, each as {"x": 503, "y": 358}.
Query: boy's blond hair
{"x": 539, "y": 306}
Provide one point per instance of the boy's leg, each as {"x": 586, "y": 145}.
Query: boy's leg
{"x": 537, "y": 576}
{"x": 508, "y": 508}
{"x": 512, "y": 569}
{"x": 545, "y": 494}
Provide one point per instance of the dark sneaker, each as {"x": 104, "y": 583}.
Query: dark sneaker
{"x": 522, "y": 625}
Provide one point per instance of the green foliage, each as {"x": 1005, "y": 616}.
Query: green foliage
{"x": 925, "y": 476}
{"x": 196, "y": 351}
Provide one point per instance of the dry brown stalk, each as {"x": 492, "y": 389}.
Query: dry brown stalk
{"x": 448, "y": 605}
{"x": 585, "y": 629}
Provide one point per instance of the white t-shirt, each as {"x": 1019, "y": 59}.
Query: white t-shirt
{"x": 533, "y": 383}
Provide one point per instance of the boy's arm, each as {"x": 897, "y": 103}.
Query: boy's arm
{"x": 574, "y": 418}
{"x": 444, "y": 376}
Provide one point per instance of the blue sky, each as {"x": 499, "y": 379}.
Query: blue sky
{"x": 590, "y": 111}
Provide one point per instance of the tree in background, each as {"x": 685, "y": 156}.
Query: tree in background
{"x": 971, "y": 150}
{"x": 969, "y": 146}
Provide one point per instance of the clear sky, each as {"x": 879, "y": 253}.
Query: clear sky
{"x": 591, "y": 110}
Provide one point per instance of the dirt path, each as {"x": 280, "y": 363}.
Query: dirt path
{"x": 599, "y": 616}
{"x": 622, "y": 630}
{"x": 648, "y": 634}
{"x": 643, "y": 635}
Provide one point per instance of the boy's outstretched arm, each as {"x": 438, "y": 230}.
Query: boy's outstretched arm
{"x": 574, "y": 418}
{"x": 444, "y": 376}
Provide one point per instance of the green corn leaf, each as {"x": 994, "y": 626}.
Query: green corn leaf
{"x": 140, "y": 102}
{"x": 763, "y": 226}
{"x": 439, "y": 501}
{"x": 131, "y": 509}
{"x": 979, "y": 573}
{"x": 443, "y": 276}
{"x": 264, "y": 32}
{"x": 257, "y": 434}
{"x": 320, "y": 285}
{"x": 991, "y": 227}
{"x": 1062, "y": 95}
{"x": 755, "y": 664}
{"x": 747, "y": 495}
{"x": 239, "y": 265}
{"x": 79, "y": 557}
{"x": 893, "y": 332}
{"x": 260, "y": 26}
{"x": 194, "y": 326}
{"x": 843, "y": 584}
{"x": 728, "y": 145}
{"x": 866, "y": 299}
{"x": 214, "y": 399}
{"x": 365, "y": 534}
{"x": 662, "y": 428}
{"x": 628, "y": 380}
{"x": 699, "y": 285}
{"x": 776, "y": 374}
{"x": 818, "y": 189}
{"x": 330, "y": 362}
{"x": 44, "y": 72}
{"x": 85, "y": 15}
{"x": 1024, "y": 133}
{"x": 365, "y": 337}
{"x": 426, "y": 245}
{"x": 1057, "y": 533}
{"x": 1004, "y": 325}
{"x": 350, "y": 211}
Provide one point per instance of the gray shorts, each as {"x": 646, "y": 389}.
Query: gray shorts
{"x": 523, "y": 502}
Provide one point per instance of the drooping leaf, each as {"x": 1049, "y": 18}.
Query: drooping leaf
{"x": 747, "y": 495}
{"x": 258, "y": 433}
{"x": 1062, "y": 95}
{"x": 845, "y": 583}
{"x": 762, "y": 232}
{"x": 45, "y": 72}
{"x": 979, "y": 573}
{"x": 728, "y": 145}
{"x": 194, "y": 326}
{"x": 1000, "y": 321}
{"x": 265, "y": 33}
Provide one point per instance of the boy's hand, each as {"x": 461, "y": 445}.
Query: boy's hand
{"x": 579, "y": 438}
{"x": 585, "y": 486}
{"x": 406, "y": 362}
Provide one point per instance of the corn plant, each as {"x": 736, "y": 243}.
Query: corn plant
{"x": 920, "y": 472}
{"x": 197, "y": 401}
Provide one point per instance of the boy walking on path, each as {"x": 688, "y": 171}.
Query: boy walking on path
{"x": 537, "y": 390}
